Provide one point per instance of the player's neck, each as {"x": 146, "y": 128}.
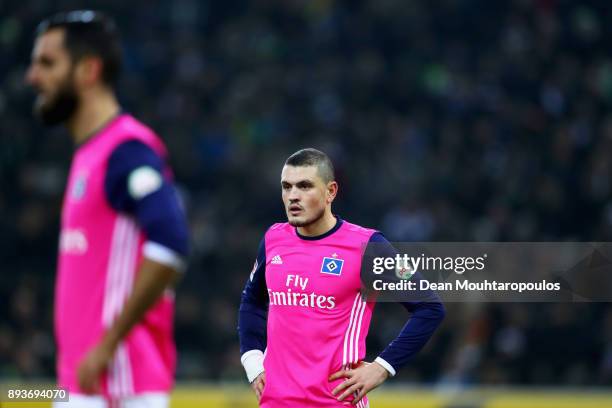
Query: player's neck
{"x": 95, "y": 110}
{"x": 325, "y": 224}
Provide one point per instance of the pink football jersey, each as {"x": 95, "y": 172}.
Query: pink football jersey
{"x": 317, "y": 321}
{"x": 100, "y": 253}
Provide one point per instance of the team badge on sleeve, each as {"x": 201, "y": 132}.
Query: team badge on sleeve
{"x": 143, "y": 181}
{"x": 332, "y": 266}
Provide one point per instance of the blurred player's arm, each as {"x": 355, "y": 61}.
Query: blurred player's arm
{"x": 427, "y": 314}
{"x": 252, "y": 320}
{"x": 135, "y": 184}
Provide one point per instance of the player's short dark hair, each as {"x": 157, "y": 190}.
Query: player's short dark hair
{"x": 313, "y": 157}
{"x": 89, "y": 33}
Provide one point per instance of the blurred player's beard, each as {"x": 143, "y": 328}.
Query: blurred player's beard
{"x": 309, "y": 221}
{"x": 61, "y": 107}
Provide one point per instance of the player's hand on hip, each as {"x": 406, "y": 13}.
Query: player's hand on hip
{"x": 91, "y": 368}
{"x": 359, "y": 381}
{"x": 258, "y": 385}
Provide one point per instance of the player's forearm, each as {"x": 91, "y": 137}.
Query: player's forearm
{"x": 413, "y": 337}
{"x": 252, "y": 327}
{"x": 152, "y": 279}
{"x": 252, "y": 333}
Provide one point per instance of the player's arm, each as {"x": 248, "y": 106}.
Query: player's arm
{"x": 136, "y": 185}
{"x": 427, "y": 314}
{"x": 252, "y": 320}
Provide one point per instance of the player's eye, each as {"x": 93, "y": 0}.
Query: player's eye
{"x": 304, "y": 186}
{"x": 45, "y": 62}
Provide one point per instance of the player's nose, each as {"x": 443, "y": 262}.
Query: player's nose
{"x": 31, "y": 76}
{"x": 294, "y": 195}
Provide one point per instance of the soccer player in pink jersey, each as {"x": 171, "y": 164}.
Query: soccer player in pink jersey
{"x": 302, "y": 320}
{"x": 123, "y": 237}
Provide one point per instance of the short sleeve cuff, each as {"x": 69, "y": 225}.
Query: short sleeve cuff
{"x": 163, "y": 255}
{"x": 385, "y": 365}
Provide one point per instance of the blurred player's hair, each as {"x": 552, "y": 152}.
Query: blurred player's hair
{"x": 313, "y": 157}
{"x": 89, "y": 33}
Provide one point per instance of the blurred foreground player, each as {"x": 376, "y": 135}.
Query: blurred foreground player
{"x": 123, "y": 233}
{"x": 306, "y": 283}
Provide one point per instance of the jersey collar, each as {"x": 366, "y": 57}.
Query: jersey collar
{"x": 335, "y": 228}
{"x": 95, "y": 133}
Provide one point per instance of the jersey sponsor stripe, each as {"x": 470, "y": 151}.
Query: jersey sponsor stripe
{"x": 114, "y": 266}
{"x": 346, "y": 335}
{"x": 123, "y": 270}
{"x": 129, "y": 283}
{"x": 358, "y": 334}
{"x": 360, "y": 306}
{"x": 120, "y": 373}
{"x": 125, "y": 289}
{"x": 120, "y": 276}
{"x": 121, "y": 380}
{"x": 126, "y": 371}
{"x": 113, "y": 386}
{"x": 112, "y": 270}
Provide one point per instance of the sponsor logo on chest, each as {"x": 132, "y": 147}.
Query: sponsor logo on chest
{"x": 73, "y": 241}
{"x": 297, "y": 289}
{"x": 79, "y": 187}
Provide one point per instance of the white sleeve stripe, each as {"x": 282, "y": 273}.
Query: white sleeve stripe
{"x": 252, "y": 361}
{"x": 163, "y": 255}
{"x": 386, "y": 366}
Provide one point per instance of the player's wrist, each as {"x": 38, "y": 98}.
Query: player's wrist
{"x": 252, "y": 361}
{"x": 388, "y": 368}
{"x": 110, "y": 342}
{"x": 382, "y": 372}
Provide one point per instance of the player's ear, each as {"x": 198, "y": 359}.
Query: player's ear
{"x": 332, "y": 191}
{"x": 88, "y": 70}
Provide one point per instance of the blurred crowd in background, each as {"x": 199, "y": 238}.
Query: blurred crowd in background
{"x": 453, "y": 120}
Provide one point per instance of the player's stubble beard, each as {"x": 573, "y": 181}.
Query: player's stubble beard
{"x": 61, "y": 107}
{"x": 310, "y": 221}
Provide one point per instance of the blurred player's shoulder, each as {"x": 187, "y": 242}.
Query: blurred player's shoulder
{"x": 127, "y": 128}
{"x": 129, "y": 124}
